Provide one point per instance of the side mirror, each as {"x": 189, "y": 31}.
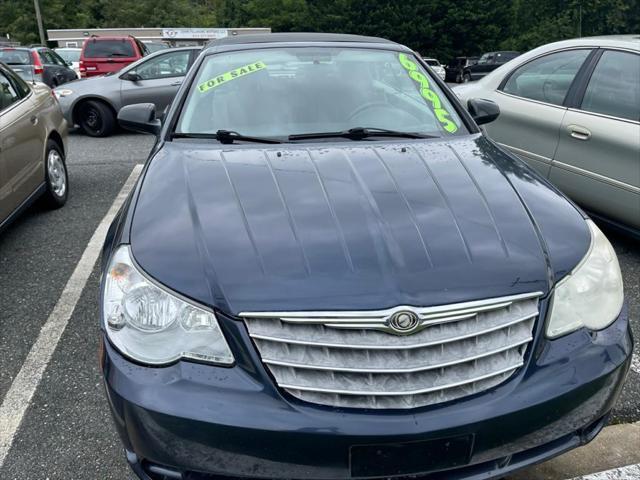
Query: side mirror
{"x": 483, "y": 111}
{"x": 131, "y": 76}
{"x": 140, "y": 117}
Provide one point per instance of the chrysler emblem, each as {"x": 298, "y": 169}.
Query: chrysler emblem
{"x": 403, "y": 321}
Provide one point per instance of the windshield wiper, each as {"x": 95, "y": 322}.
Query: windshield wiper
{"x": 225, "y": 136}
{"x": 360, "y": 133}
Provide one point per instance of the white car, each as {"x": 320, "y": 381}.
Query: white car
{"x": 571, "y": 110}
{"x": 436, "y": 66}
{"x": 70, "y": 55}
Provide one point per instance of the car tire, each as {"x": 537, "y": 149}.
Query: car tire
{"x": 466, "y": 78}
{"x": 96, "y": 119}
{"x": 55, "y": 176}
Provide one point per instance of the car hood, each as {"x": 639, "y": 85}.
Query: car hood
{"x": 350, "y": 225}
{"x": 91, "y": 84}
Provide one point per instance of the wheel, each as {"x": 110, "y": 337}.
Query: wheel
{"x": 466, "y": 78}
{"x": 56, "y": 178}
{"x": 96, "y": 119}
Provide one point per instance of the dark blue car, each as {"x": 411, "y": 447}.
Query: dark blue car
{"x": 327, "y": 271}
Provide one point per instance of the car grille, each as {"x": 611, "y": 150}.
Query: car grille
{"x": 349, "y": 359}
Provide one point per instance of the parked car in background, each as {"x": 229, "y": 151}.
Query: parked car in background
{"x": 329, "y": 272}
{"x": 436, "y": 66}
{"x": 487, "y": 63}
{"x": 33, "y": 136}
{"x": 153, "y": 47}
{"x": 38, "y": 64}
{"x": 101, "y": 55}
{"x": 71, "y": 55}
{"x": 93, "y": 104}
{"x": 455, "y": 68}
{"x": 571, "y": 110}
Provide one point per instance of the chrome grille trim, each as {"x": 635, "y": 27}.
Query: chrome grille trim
{"x": 258, "y": 336}
{"x": 351, "y": 359}
{"x": 406, "y": 392}
{"x": 379, "y": 319}
{"x": 397, "y": 370}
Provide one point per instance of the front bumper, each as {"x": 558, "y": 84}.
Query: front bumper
{"x": 66, "y": 105}
{"x": 194, "y": 421}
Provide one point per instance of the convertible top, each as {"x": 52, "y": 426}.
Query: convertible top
{"x": 302, "y": 37}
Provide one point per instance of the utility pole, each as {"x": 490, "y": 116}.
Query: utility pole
{"x": 579, "y": 20}
{"x": 39, "y": 20}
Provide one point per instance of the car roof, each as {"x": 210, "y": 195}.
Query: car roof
{"x": 631, "y": 41}
{"x": 297, "y": 37}
{"x": 110, "y": 37}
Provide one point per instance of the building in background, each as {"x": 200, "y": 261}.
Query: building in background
{"x": 176, "y": 37}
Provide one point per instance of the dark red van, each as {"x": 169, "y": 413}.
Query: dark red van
{"x": 102, "y": 55}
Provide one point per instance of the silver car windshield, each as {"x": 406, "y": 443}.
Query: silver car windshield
{"x": 278, "y": 92}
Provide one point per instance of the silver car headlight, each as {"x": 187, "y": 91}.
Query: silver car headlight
{"x": 152, "y": 325}
{"x": 62, "y": 92}
{"x": 591, "y": 295}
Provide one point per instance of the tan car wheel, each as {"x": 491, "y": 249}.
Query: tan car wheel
{"x": 56, "y": 178}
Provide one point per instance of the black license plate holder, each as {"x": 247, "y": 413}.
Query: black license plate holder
{"x": 422, "y": 456}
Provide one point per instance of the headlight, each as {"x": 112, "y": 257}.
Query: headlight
{"x": 151, "y": 325}
{"x": 591, "y": 296}
{"x": 62, "y": 92}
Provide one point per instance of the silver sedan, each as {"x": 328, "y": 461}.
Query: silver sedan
{"x": 93, "y": 104}
{"x": 571, "y": 110}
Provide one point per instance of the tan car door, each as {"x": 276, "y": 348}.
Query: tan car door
{"x": 531, "y": 106}
{"x": 597, "y": 162}
{"x": 21, "y": 145}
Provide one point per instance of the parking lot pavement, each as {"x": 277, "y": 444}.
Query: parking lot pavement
{"x": 66, "y": 432}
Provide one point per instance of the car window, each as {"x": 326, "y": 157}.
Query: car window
{"x": 614, "y": 87}
{"x": 11, "y": 56}
{"x": 109, "y": 48}
{"x": 486, "y": 58}
{"x": 546, "y": 79}
{"x": 69, "y": 55}
{"x": 174, "y": 64}
{"x": 57, "y": 59}
{"x": 8, "y": 93}
{"x": 285, "y": 91}
{"x": 49, "y": 58}
{"x": 19, "y": 84}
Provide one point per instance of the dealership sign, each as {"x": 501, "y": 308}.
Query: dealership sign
{"x": 193, "y": 33}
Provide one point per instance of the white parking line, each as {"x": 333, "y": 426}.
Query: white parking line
{"x": 632, "y": 472}
{"x": 24, "y": 385}
{"x": 635, "y": 365}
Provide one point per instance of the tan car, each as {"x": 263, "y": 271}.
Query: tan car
{"x": 571, "y": 110}
{"x": 33, "y": 135}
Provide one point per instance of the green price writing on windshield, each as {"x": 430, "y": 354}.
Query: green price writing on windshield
{"x": 231, "y": 75}
{"x": 423, "y": 82}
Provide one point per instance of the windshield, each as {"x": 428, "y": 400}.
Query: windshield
{"x": 12, "y": 56}
{"x": 279, "y": 92}
{"x": 69, "y": 55}
{"x": 486, "y": 58}
{"x": 108, "y": 48}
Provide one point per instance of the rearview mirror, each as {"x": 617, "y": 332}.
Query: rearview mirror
{"x": 131, "y": 76}
{"x": 483, "y": 111}
{"x": 140, "y": 117}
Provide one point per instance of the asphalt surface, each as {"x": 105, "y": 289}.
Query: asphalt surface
{"x": 67, "y": 431}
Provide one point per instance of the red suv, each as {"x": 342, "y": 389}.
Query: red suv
{"x": 102, "y": 55}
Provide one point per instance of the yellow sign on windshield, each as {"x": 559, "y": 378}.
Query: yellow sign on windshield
{"x": 432, "y": 97}
{"x": 231, "y": 75}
